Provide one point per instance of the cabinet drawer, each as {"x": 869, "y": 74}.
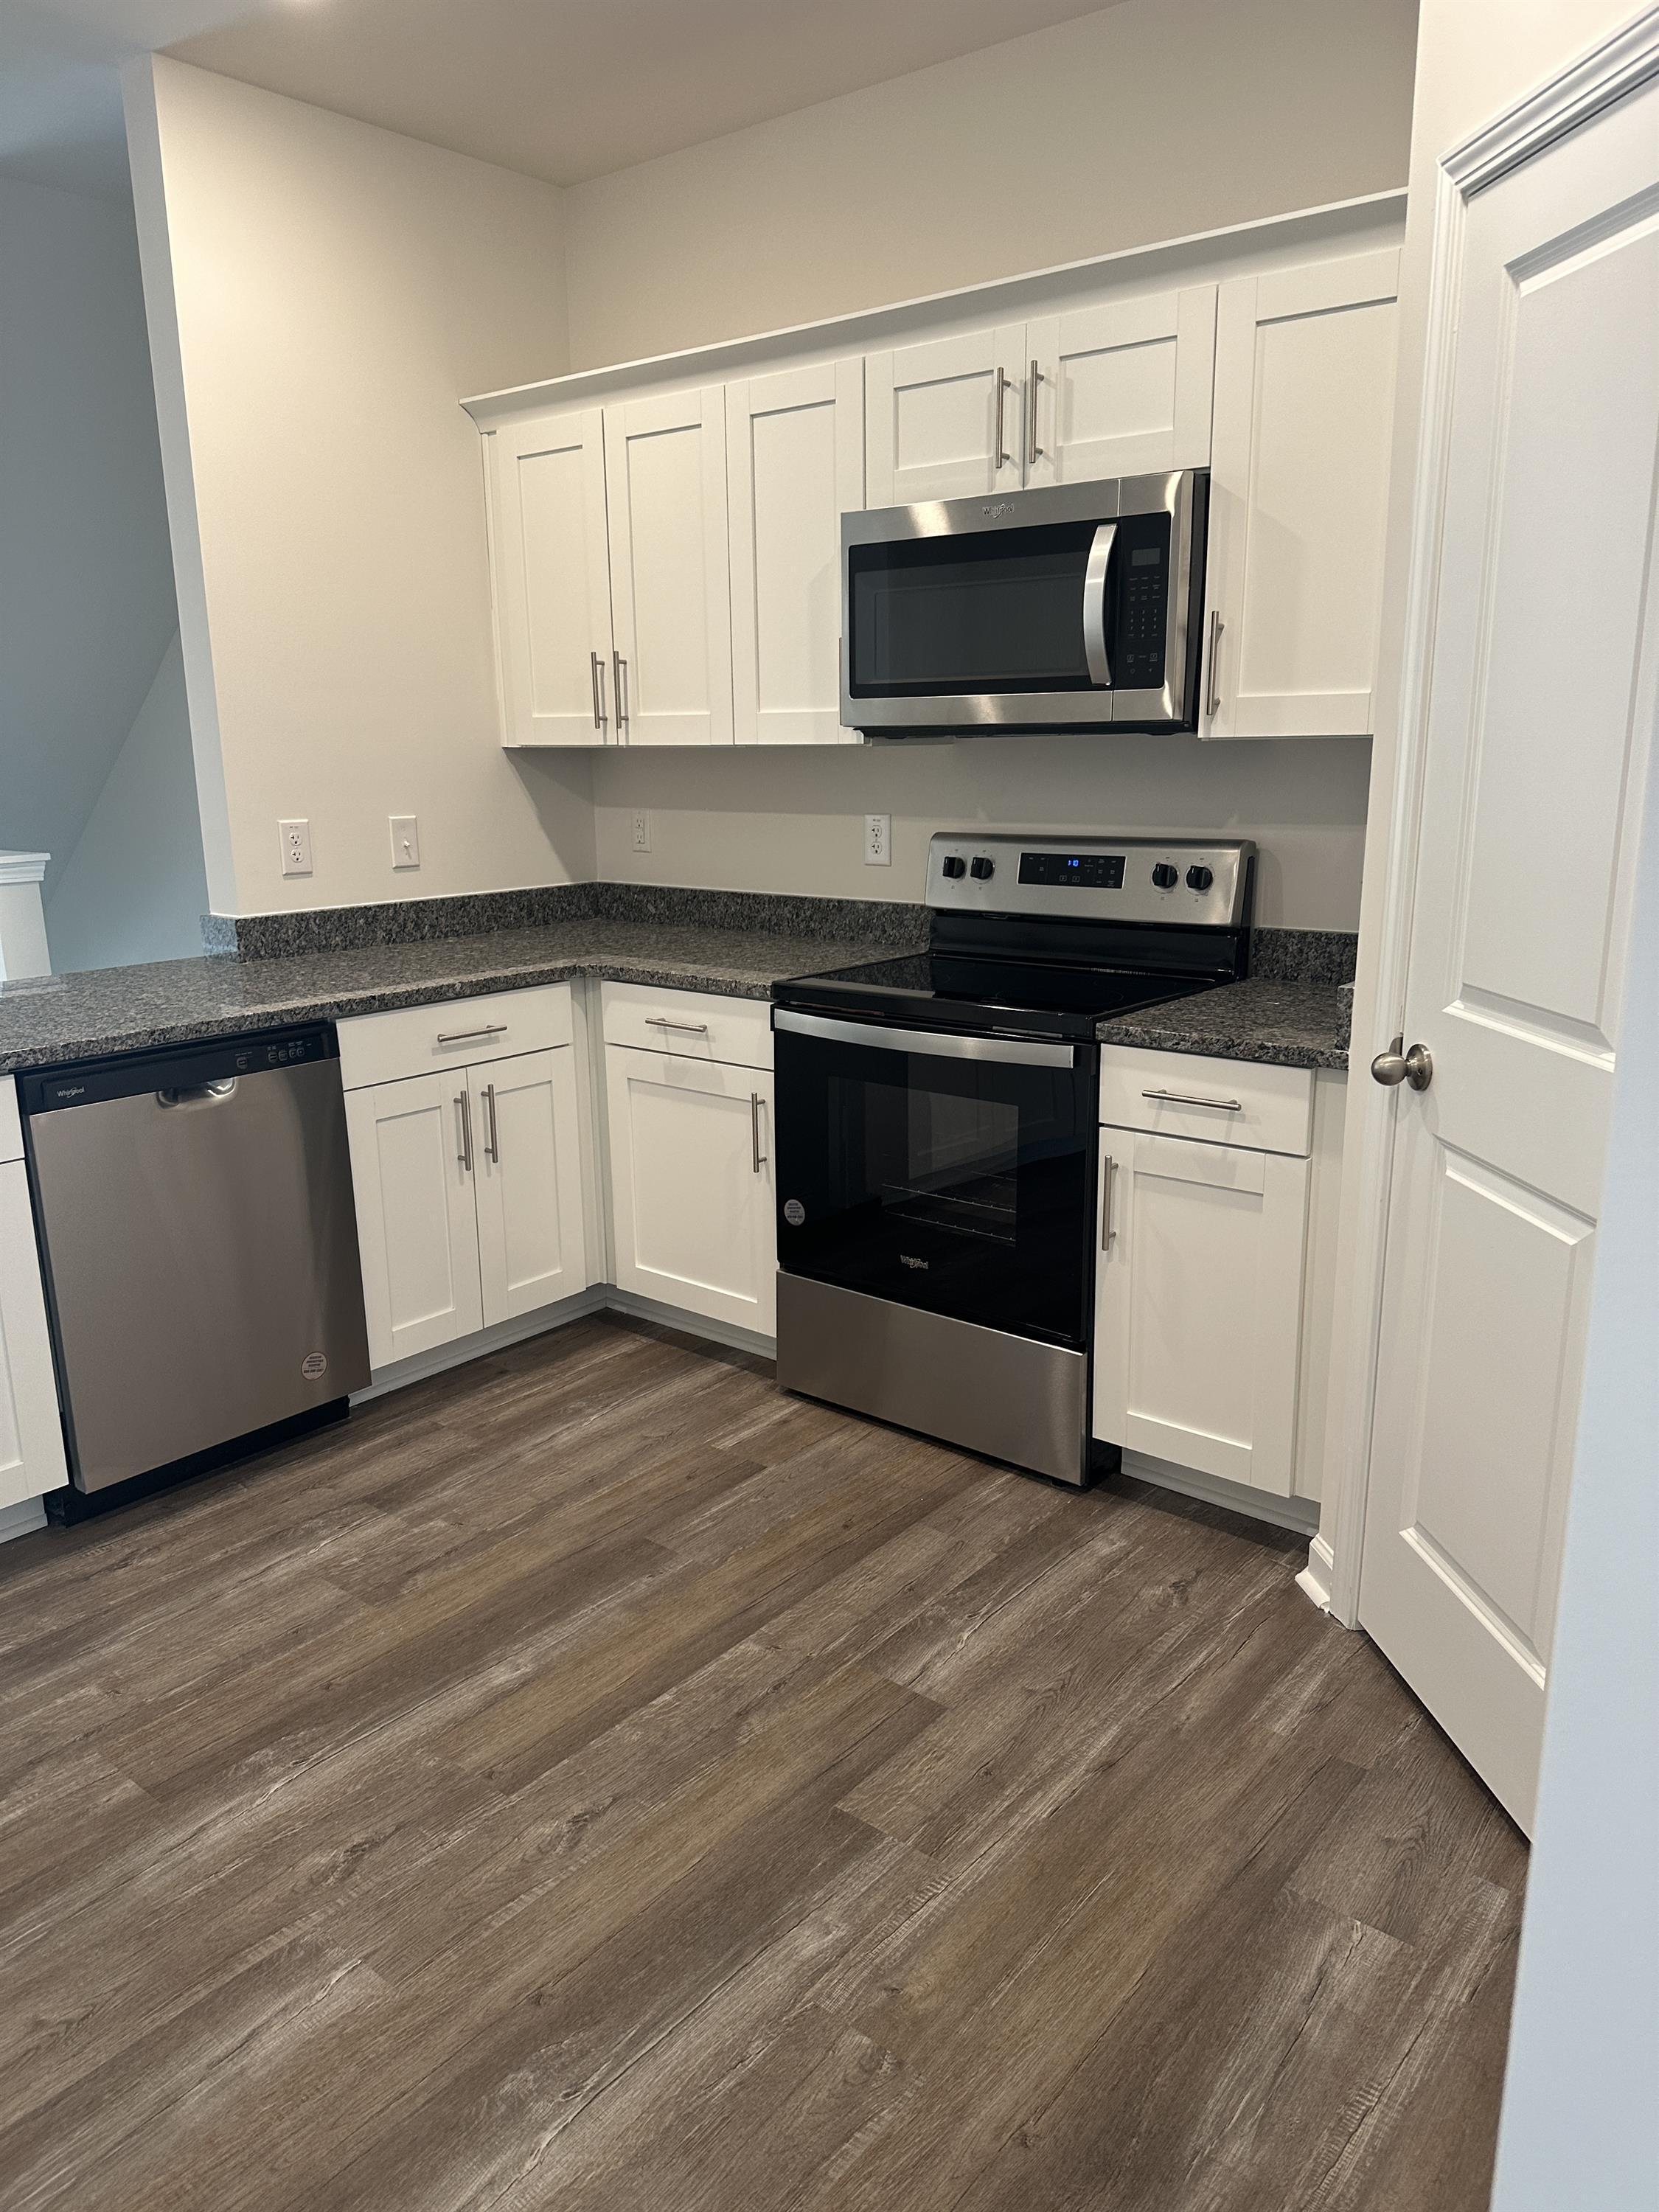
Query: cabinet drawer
{"x": 11, "y": 1129}
{"x": 1230, "y": 1101}
{"x": 416, "y": 1040}
{"x": 691, "y": 1024}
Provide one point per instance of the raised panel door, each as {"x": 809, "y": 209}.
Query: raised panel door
{"x": 413, "y": 1151}
{"x": 550, "y": 560}
{"x": 669, "y": 576}
{"x": 527, "y": 1181}
{"x": 795, "y": 464}
{"x": 691, "y": 1185}
{"x": 1198, "y": 1305}
{"x": 1298, "y": 494}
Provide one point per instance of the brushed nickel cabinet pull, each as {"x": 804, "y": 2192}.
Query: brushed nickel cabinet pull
{"x": 1033, "y": 450}
{"x": 466, "y": 1036}
{"x": 465, "y": 1155}
{"x": 1212, "y": 704}
{"x": 754, "y": 1130}
{"x": 624, "y": 715}
{"x": 1108, "y": 1229}
{"x": 1186, "y": 1098}
{"x": 494, "y": 1146}
{"x": 1003, "y": 456}
{"x": 662, "y": 1022}
{"x": 598, "y": 690}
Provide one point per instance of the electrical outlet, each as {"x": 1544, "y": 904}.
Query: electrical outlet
{"x": 296, "y": 847}
{"x": 405, "y": 841}
{"x": 878, "y": 841}
{"x": 641, "y": 830}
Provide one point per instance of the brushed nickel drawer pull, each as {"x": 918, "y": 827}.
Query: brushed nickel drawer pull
{"x": 465, "y": 1036}
{"x": 662, "y": 1022}
{"x": 1186, "y": 1098}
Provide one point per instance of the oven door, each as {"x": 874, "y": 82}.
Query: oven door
{"x": 954, "y": 1173}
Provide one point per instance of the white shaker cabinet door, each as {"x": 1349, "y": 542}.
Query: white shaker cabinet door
{"x": 1198, "y": 1305}
{"x": 1121, "y": 389}
{"x": 669, "y": 581}
{"x": 691, "y": 1184}
{"x": 943, "y": 419}
{"x": 414, "y": 1146}
{"x": 527, "y": 1181}
{"x": 1303, "y": 406}
{"x": 551, "y": 560}
{"x": 31, "y": 1435}
{"x": 794, "y": 446}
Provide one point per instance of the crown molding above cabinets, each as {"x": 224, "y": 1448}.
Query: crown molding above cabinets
{"x": 665, "y": 536}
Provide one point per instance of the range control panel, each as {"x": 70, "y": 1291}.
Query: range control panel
{"x": 1169, "y": 880}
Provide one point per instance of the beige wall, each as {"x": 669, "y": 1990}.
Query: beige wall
{"x": 320, "y": 294}
{"x": 1149, "y": 120}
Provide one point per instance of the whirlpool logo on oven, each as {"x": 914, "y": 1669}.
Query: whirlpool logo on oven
{"x": 909, "y": 1259}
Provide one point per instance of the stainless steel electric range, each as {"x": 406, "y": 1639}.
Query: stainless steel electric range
{"x": 937, "y": 1138}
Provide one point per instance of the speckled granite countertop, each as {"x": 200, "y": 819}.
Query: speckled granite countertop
{"x": 104, "y": 1010}
{"x": 1285, "y": 1024}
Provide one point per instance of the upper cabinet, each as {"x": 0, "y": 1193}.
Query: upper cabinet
{"x": 552, "y": 576}
{"x": 1304, "y": 401}
{"x": 794, "y": 463}
{"x": 1123, "y": 389}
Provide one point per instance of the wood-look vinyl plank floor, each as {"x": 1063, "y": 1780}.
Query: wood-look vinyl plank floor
{"x": 592, "y": 1779}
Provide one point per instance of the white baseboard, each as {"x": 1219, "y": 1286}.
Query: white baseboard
{"x": 1315, "y": 1579}
{"x": 602, "y": 1298}
{"x": 1301, "y": 1514}
{"x": 22, "y": 1519}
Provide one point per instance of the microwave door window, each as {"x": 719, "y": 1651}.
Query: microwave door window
{"x": 992, "y": 611}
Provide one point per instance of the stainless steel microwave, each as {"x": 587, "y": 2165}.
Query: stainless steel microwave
{"x": 1070, "y": 607}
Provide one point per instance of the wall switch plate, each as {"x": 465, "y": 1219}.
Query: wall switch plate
{"x": 296, "y": 847}
{"x": 405, "y": 841}
{"x": 641, "y": 830}
{"x": 878, "y": 841}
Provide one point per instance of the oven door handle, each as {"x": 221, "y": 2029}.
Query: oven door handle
{"x": 1094, "y": 606}
{"x": 941, "y": 1044}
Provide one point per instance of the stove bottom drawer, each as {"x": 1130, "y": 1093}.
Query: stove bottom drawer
{"x": 1006, "y": 1396}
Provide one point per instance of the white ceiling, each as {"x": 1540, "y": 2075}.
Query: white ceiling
{"x": 563, "y": 89}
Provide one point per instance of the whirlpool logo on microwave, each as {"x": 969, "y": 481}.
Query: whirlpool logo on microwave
{"x": 909, "y": 1259}
{"x": 997, "y": 506}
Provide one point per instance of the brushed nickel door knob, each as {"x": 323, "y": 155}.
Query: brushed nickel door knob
{"x": 1394, "y": 1066}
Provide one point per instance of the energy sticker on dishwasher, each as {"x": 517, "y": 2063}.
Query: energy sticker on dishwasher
{"x": 794, "y": 1213}
{"x": 313, "y": 1364}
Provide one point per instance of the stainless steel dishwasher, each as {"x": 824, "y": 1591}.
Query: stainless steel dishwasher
{"x": 200, "y": 1242}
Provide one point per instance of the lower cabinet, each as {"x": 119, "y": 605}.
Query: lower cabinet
{"x": 1198, "y": 1305}
{"x": 691, "y": 1184}
{"x": 31, "y": 1435}
{"x": 468, "y": 1186}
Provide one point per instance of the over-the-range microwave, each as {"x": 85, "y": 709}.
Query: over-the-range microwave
{"x": 1070, "y": 607}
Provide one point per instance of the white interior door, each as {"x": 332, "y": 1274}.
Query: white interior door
{"x": 414, "y": 1149}
{"x": 691, "y": 1188}
{"x": 527, "y": 1181}
{"x": 552, "y": 577}
{"x": 1197, "y": 1304}
{"x": 31, "y": 1435}
{"x": 943, "y": 419}
{"x": 1298, "y": 494}
{"x": 1121, "y": 389}
{"x": 670, "y": 579}
{"x": 794, "y": 453}
{"x": 1540, "y": 707}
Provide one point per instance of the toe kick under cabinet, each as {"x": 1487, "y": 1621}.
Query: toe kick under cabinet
{"x": 1205, "y": 1175}
{"x": 467, "y": 1164}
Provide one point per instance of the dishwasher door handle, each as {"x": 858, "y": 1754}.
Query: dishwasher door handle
{"x": 199, "y": 1094}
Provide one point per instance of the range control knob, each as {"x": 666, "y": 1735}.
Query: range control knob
{"x": 983, "y": 867}
{"x": 1198, "y": 878}
{"x": 1165, "y": 877}
{"x": 954, "y": 865}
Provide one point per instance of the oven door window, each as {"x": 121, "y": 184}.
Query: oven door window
{"x": 961, "y": 1186}
{"x": 989, "y": 611}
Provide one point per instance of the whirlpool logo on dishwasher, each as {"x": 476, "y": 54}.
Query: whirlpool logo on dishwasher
{"x": 909, "y": 1259}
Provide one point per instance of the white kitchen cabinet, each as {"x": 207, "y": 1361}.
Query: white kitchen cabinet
{"x": 31, "y": 1434}
{"x": 691, "y": 1184}
{"x": 1121, "y": 389}
{"x": 1303, "y": 403}
{"x": 1197, "y": 1304}
{"x": 670, "y": 579}
{"x": 794, "y": 448}
{"x": 942, "y": 418}
{"x": 552, "y": 565}
{"x": 527, "y": 1182}
{"x": 468, "y": 1190}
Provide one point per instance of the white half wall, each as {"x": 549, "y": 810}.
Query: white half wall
{"x": 86, "y": 575}
{"x": 1148, "y": 120}
{"x": 135, "y": 887}
{"x": 794, "y": 821}
{"x": 320, "y": 294}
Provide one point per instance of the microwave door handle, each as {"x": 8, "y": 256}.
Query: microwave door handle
{"x": 1094, "y": 606}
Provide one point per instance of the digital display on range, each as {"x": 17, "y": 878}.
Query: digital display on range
{"x": 1097, "y": 872}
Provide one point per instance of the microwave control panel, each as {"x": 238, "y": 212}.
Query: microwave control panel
{"x": 1142, "y": 594}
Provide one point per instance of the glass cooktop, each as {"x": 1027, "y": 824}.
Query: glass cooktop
{"x": 968, "y": 991}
